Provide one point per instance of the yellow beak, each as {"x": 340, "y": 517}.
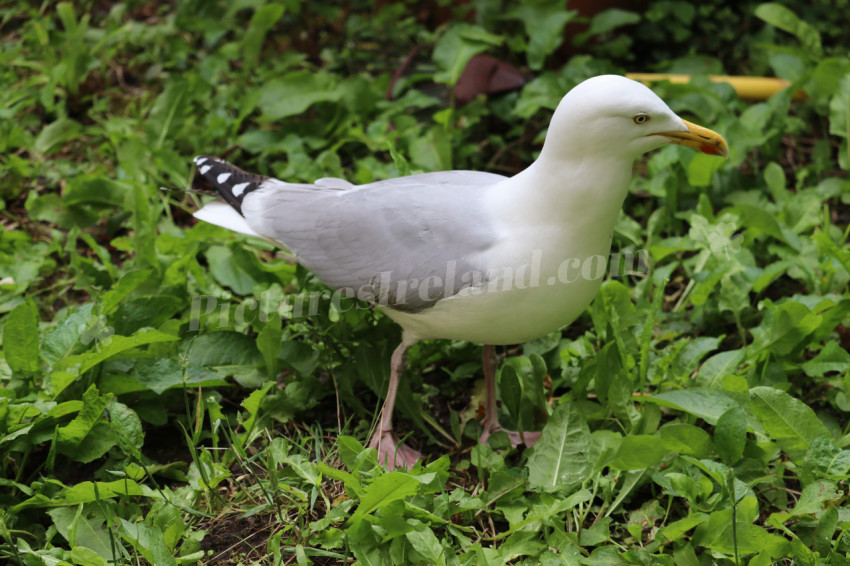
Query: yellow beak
{"x": 697, "y": 137}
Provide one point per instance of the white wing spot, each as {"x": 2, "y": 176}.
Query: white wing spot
{"x": 204, "y": 169}
{"x": 200, "y": 160}
{"x": 222, "y": 178}
{"x": 237, "y": 190}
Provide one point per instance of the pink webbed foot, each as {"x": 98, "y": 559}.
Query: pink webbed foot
{"x": 392, "y": 453}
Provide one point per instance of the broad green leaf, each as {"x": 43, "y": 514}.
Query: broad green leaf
{"x": 718, "y": 366}
{"x": 832, "y": 358}
{"x": 77, "y": 364}
{"x": 148, "y": 541}
{"x": 68, "y": 437}
{"x": 839, "y": 119}
{"x": 96, "y": 191}
{"x": 66, "y": 336}
{"x": 226, "y": 348}
{"x": 676, "y": 529}
{"x": 784, "y": 327}
{"x": 385, "y": 489}
{"x": 433, "y": 150}
{"x": 85, "y": 492}
{"x": 56, "y": 134}
{"x": 140, "y": 312}
{"x": 295, "y": 92}
{"x": 252, "y": 404}
{"x": 701, "y": 169}
{"x": 717, "y": 534}
{"x": 828, "y": 247}
{"x": 85, "y": 556}
{"x": 126, "y": 285}
{"x": 706, "y": 404}
{"x": 20, "y": 339}
{"x": 786, "y": 419}
{"x": 783, "y": 18}
{"x": 815, "y": 498}
{"x": 269, "y": 342}
{"x": 730, "y": 435}
{"x": 544, "y": 22}
{"x": 562, "y": 458}
{"x": 263, "y": 19}
{"x": 457, "y": 46}
{"x": 88, "y": 530}
{"x": 425, "y": 542}
{"x": 606, "y": 21}
{"x": 686, "y": 439}
{"x": 125, "y": 422}
{"x": 825, "y": 459}
{"x": 168, "y": 110}
{"x": 639, "y": 452}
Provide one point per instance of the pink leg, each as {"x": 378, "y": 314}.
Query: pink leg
{"x": 491, "y": 413}
{"x": 392, "y": 453}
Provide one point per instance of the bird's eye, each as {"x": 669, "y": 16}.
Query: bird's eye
{"x": 640, "y": 118}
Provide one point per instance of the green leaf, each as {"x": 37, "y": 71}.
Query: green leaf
{"x": 706, "y": 404}
{"x": 432, "y": 151}
{"x": 832, "y": 358}
{"x": 457, "y": 46}
{"x": 95, "y": 190}
{"x": 561, "y": 459}
{"x": 784, "y": 327}
{"x": 20, "y": 339}
{"x": 839, "y": 118}
{"x": 605, "y": 21}
{"x": 66, "y": 336}
{"x": 701, "y": 169}
{"x": 84, "y": 492}
{"x": 222, "y": 349}
{"x": 639, "y": 452}
{"x": 676, "y": 529}
{"x": 828, "y": 247}
{"x": 295, "y": 92}
{"x": 717, "y": 534}
{"x": 87, "y": 531}
{"x": 168, "y": 110}
{"x": 786, "y": 419}
{"x": 730, "y": 435}
{"x": 113, "y": 345}
{"x": 783, "y": 18}
{"x": 511, "y": 391}
{"x": 718, "y": 366}
{"x": 70, "y": 436}
{"x": 686, "y": 439}
{"x": 544, "y": 22}
{"x": 56, "y": 134}
{"x": 263, "y": 20}
{"x": 383, "y": 490}
{"x": 815, "y": 498}
{"x": 268, "y": 342}
{"x": 148, "y": 541}
{"x": 425, "y": 542}
{"x": 126, "y": 285}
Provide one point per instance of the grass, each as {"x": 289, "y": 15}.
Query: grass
{"x": 165, "y": 401}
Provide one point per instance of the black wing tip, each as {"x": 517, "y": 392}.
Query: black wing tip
{"x": 231, "y": 182}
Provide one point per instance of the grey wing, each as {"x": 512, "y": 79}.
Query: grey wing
{"x": 404, "y": 243}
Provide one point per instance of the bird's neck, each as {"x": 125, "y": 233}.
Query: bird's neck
{"x": 578, "y": 193}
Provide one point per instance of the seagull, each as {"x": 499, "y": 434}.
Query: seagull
{"x": 469, "y": 255}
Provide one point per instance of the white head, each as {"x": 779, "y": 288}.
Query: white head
{"x": 613, "y": 116}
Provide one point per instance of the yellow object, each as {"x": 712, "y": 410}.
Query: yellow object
{"x": 750, "y": 88}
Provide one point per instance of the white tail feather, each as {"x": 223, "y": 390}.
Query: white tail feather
{"x": 222, "y": 214}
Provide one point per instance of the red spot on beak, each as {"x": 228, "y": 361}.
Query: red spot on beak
{"x": 709, "y": 149}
